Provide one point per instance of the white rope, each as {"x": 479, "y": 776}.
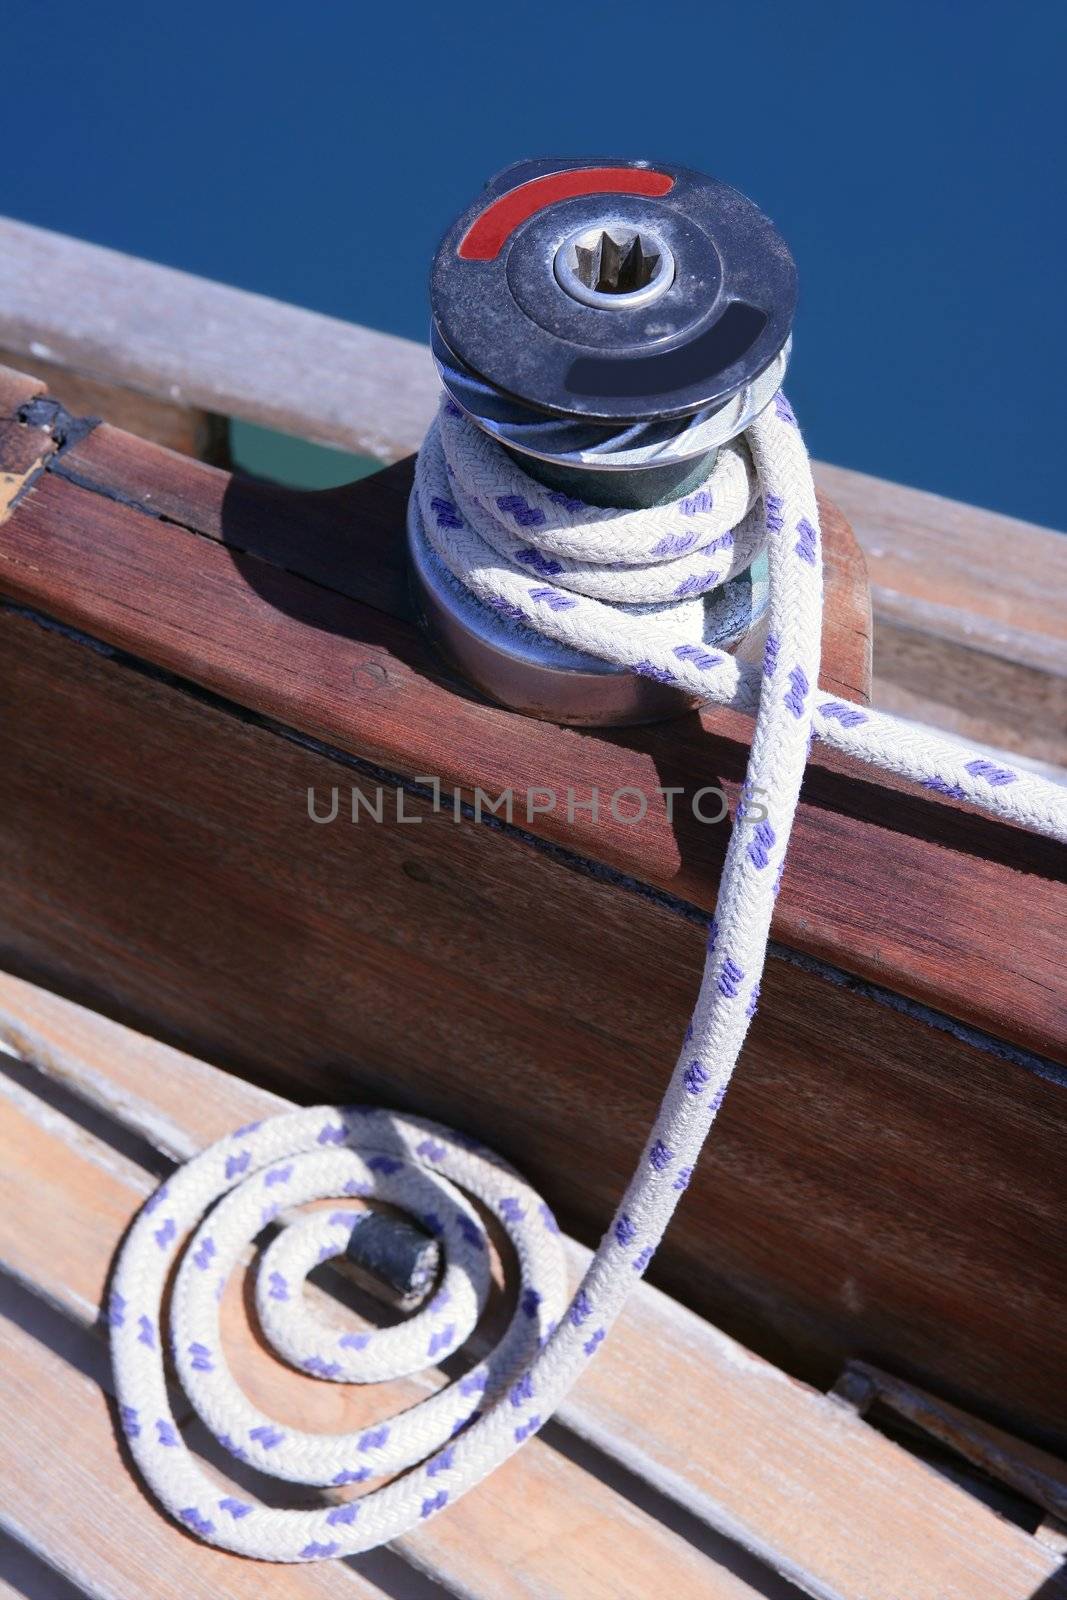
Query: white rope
{"x": 627, "y": 586}
{"x": 534, "y": 554}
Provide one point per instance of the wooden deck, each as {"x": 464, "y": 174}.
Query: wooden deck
{"x": 789, "y": 1490}
{"x": 185, "y": 653}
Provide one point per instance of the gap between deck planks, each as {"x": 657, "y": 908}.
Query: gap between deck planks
{"x": 540, "y": 1523}
{"x": 790, "y": 1474}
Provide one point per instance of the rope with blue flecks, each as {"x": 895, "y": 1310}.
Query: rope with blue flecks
{"x": 629, "y": 586}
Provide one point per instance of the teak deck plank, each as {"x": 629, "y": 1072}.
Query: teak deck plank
{"x": 884, "y": 881}
{"x": 970, "y": 628}
{"x": 571, "y": 1526}
{"x": 789, "y": 1473}
{"x": 174, "y": 880}
{"x": 69, "y": 1496}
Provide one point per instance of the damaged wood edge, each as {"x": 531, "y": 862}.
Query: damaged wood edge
{"x": 173, "y": 423}
{"x": 1030, "y": 1471}
{"x": 62, "y": 430}
{"x": 27, "y": 408}
{"x": 21, "y": 458}
{"x": 34, "y": 432}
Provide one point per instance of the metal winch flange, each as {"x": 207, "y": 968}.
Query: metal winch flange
{"x": 610, "y": 323}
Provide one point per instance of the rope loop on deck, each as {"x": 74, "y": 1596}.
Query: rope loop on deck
{"x": 216, "y": 1205}
{"x": 627, "y": 586}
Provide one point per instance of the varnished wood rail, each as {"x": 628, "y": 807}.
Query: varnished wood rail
{"x": 970, "y": 606}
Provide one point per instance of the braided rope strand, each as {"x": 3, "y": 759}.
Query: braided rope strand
{"x": 459, "y": 481}
{"x": 627, "y": 586}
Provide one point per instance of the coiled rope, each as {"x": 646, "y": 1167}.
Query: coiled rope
{"x": 627, "y": 586}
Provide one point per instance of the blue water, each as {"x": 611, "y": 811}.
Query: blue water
{"x": 911, "y": 154}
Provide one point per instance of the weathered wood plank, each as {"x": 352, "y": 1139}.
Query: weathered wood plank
{"x": 120, "y": 320}
{"x": 976, "y": 693}
{"x": 178, "y": 427}
{"x": 791, "y": 1474}
{"x": 70, "y": 1497}
{"x": 573, "y": 1528}
{"x": 971, "y": 633}
{"x": 999, "y": 581}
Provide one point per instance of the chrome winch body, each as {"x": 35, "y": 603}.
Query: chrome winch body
{"x": 610, "y": 324}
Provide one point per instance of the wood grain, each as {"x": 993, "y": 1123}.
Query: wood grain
{"x": 183, "y": 428}
{"x": 23, "y": 448}
{"x": 971, "y": 628}
{"x": 352, "y": 543}
{"x": 884, "y": 880}
{"x": 84, "y": 1512}
{"x": 111, "y": 317}
{"x": 769, "y": 1449}
{"x": 130, "y": 322}
{"x": 175, "y": 880}
{"x": 574, "y": 1534}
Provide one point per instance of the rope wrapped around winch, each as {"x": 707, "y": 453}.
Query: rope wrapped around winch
{"x": 627, "y": 586}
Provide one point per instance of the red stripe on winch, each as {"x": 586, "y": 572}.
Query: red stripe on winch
{"x": 485, "y": 237}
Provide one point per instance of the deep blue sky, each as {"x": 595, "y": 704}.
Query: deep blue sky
{"x": 912, "y": 155}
